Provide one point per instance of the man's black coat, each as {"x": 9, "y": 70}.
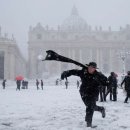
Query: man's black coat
{"x": 90, "y": 82}
{"x": 126, "y": 83}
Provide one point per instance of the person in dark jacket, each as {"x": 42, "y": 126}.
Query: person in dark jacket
{"x": 57, "y": 81}
{"x": 37, "y": 84}
{"x": 18, "y": 82}
{"x": 112, "y": 86}
{"x": 102, "y": 92}
{"x": 42, "y": 84}
{"x": 3, "y": 83}
{"x": 26, "y": 84}
{"x": 78, "y": 83}
{"x": 89, "y": 89}
{"x": 23, "y": 84}
{"x": 66, "y": 83}
{"x": 126, "y": 83}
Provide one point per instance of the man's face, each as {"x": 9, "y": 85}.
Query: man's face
{"x": 91, "y": 69}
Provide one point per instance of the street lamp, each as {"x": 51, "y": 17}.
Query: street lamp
{"x": 122, "y": 55}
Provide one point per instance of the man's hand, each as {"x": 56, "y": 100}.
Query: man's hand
{"x": 64, "y": 75}
{"x": 121, "y": 86}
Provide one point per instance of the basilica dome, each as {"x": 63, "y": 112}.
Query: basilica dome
{"x": 74, "y": 22}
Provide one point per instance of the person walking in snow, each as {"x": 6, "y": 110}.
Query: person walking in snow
{"x": 89, "y": 89}
{"x": 3, "y": 83}
{"x": 26, "y": 84}
{"x": 42, "y": 84}
{"x": 102, "y": 92}
{"x": 66, "y": 84}
{"x": 112, "y": 86}
{"x": 23, "y": 84}
{"x": 18, "y": 83}
{"x": 126, "y": 83}
{"x": 78, "y": 84}
{"x": 37, "y": 84}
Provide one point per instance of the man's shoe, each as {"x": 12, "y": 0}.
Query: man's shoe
{"x": 90, "y": 125}
{"x": 103, "y": 112}
{"x": 125, "y": 102}
{"x": 114, "y": 100}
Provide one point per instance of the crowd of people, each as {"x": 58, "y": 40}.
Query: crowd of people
{"x": 94, "y": 86}
{"x": 110, "y": 89}
{"x": 23, "y": 84}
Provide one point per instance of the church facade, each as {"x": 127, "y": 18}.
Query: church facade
{"x": 77, "y": 40}
{"x": 12, "y": 62}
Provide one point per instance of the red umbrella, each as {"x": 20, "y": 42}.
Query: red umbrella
{"x": 19, "y": 77}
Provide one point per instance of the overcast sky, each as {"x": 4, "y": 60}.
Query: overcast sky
{"x": 17, "y": 15}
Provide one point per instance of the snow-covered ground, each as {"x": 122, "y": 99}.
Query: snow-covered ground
{"x": 56, "y": 108}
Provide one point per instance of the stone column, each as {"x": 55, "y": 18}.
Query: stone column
{"x": 73, "y": 57}
{"x": 32, "y": 66}
{"x": 97, "y": 57}
{"x": 69, "y": 54}
{"x": 0, "y": 31}
{"x": 101, "y": 59}
{"x": 59, "y": 63}
{"x": 12, "y": 66}
{"x": 80, "y": 55}
{"x": 91, "y": 54}
{"x": 110, "y": 60}
{"x": 6, "y": 65}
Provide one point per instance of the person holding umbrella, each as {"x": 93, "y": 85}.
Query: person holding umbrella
{"x": 18, "y": 82}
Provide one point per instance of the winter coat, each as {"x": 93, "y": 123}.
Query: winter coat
{"x": 18, "y": 82}
{"x": 41, "y": 83}
{"x": 37, "y": 83}
{"x": 3, "y": 83}
{"x": 90, "y": 82}
{"x": 112, "y": 82}
{"x": 126, "y": 83}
